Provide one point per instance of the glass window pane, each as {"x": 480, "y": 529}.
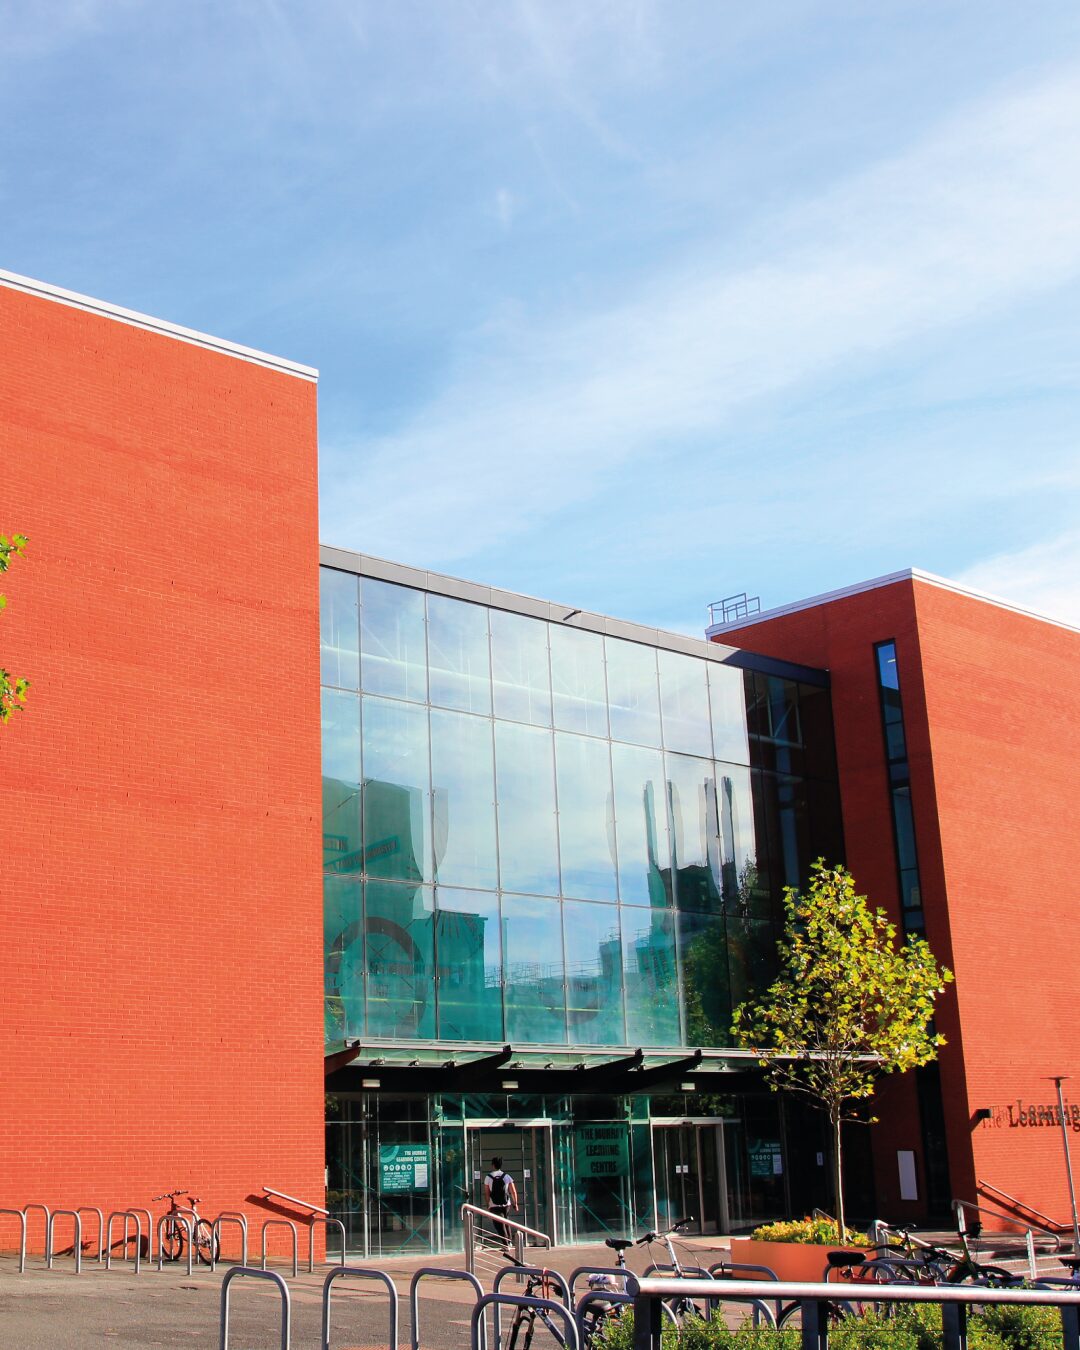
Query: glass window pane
{"x": 341, "y": 781}
{"x": 525, "y": 778}
{"x": 727, "y": 697}
{"x": 396, "y": 793}
{"x": 641, "y": 826}
{"x": 692, "y": 797}
{"x": 888, "y": 675}
{"x": 459, "y": 655}
{"x": 393, "y": 656}
{"x": 633, "y": 694}
{"x": 703, "y": 960}
{"x": 519, "y": 666}
{"x": 739, "y": 882}
{"x": 649, "y": 977}
{"x": 400, "y": 965}
{"x": 593, "y": 974}
{"x": 343, "y": 950}
{"x": 905, "y": 828}
{"x": 787, "y": 823}
{"x": 339, "y": 634}
{"x": 463, "y": 800}
{"x": 684, "y": 703}
{"x": 533, "y": 963}
{"x": 577, "y": 681}
{"x": 469, "y": 965}
{"x": 586, "y": 823}
{"x": 815, "y": 714}
{"x": 752, "y": 962}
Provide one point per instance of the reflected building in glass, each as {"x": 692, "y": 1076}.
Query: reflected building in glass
{"x": 554, "y": 852}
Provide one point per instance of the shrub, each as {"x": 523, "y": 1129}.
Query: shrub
{"x": 822, "y": 1232}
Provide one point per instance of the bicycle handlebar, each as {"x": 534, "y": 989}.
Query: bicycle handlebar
{"x": 168, "y": 1195}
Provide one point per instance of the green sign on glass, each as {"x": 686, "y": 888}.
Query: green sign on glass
{"x": 404, "y": 1167}
{"x": 766, "y": 1159}
{"x": 602, "y": 1150}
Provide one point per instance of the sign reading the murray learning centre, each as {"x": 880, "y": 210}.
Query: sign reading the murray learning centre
{"x": 403, "y": 1167}
{"x": 765, "y": 1158}
{"x": 601, "y": 1151}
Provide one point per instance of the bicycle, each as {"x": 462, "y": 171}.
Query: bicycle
{"x": 523, "y": 1327}
{"x": 206, "y": 1243}
{"x": 681, "y": 1307}
{"x": 938, "y": 1265}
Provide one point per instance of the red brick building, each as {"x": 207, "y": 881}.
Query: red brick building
{"x": 962, "y": 822}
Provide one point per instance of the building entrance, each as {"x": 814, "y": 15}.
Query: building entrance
{"x": 690, "y": 1174}
{"x": 526, "y": 1153}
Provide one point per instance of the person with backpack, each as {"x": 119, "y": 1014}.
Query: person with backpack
{"x": 501, "y": 1196}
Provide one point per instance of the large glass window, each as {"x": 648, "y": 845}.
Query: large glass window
{"x": 393, "y": 650}
{"x": 633, "y": 692}
{"x": 594, "y": 1002}
{"x": 533, "y": 966}
{"x": 468, "y": 952}
{"x": 341, "y": 781}
{"x": 684, "y": 703}
{"x": 339, "y": 634}
{"x": 525, "y": 778}
{"x": 641, "y": 825}
{"x": 519, "y": 665}
{"x": 343, "y": 951}
{"x": 400, "y": 964}
{"x": 692, "y": 799}
{"x": 459, "y": 655}
{"x": 703, "y": 961}
{"x": 577, "y": 681}
{"x": 740, "y": 884}
{"x": 397, "y": 844}
{"x": 727, "y": 696}
{"x": 463, "y": 800}
{"x": 586, "y": 818}
{"x": 649, "y": 977}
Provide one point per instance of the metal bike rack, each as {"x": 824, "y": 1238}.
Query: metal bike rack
{"x": 229, "y": 1216}
{"x": 620, "y": 1272}
{"x": 46, "y": 1212}
{"x": 175, "y": 1218}
{"x": 571, "y": 1339}
{"x": 595, "y": 1296}
{"x": 21, "y": 1215}
{"x": 234, "y": 1272}
{"x": 359, "y": 1273}
{"x": 280, "y": 1223}
{"x": 554, "y": 1276}
{"x": 437, "y": 1273}
{"x": 71, "y": 1214}
{"x": 735, "y": 1270}
{"x": 336, "y": 1223}
{"x": 93, "y": 1209}
{"x": 124, "y": 1214}
{"x": 144, "y": 1213}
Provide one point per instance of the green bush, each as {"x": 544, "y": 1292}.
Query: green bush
{"x": 821, "y": 1232}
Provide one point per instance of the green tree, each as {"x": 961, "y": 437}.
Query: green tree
{"x": 13, "y": 688}
{"x": 847, "y": 1006}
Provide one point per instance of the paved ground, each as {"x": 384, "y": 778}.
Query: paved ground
{"x": 57, "y": 1310}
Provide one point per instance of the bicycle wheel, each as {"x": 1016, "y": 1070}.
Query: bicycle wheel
{"x": 172, "y": 1241}
{"x": 521, "y": 1329}
{"x": 995, "y": 1277}
{"x": 207, "y": 1243}
{"x": 791, "y": 1315}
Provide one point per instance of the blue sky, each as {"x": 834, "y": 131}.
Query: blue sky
{"x": 631, "y": 304}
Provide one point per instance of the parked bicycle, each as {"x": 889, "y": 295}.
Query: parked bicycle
{"x": 925, "y": 1263}
{"x": 538, "y": 1285}
{"x": 680, "y": 1307}
{"x": 206, "y": 1245}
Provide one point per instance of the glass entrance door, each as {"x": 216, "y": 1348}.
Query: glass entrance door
{"x": 525, "y": 1151}
{"x": 688, "y": 1159}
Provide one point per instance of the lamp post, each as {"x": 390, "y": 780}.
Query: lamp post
{"x": 1057, "y": 1080}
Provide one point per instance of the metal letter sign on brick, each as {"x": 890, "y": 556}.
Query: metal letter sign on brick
{"x": 403, "y": 1167}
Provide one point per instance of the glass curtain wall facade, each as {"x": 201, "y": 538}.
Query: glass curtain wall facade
{"x": 538, "y": 835}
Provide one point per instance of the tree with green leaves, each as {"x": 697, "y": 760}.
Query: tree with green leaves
{"x": 848, "y": 1005}
{"x": 13, "y": 688}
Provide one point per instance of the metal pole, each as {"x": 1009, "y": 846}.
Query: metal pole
{"x": 1057, "y": 1081}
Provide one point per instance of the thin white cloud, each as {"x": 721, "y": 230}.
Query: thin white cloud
{"x": 982, "y": 214}
{"x": 1044, "y": 576}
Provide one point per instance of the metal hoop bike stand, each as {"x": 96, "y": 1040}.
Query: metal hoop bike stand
{"x": 437, "y": 1273}
{"x": 47, "y": 1213}
{"x": 359, "y": 1273}
{"x": 21, "y": 1215}
{"x": 233, "y": 1273}
{"x": 735, "y": 1270}
{"x": 620, "y": 1272}
{"x": 519, "y": 1273}
{"x": 124, "y": 1214}
{"x": 93, "y": 1209}
{"x": 607, "y": 1296}
{"x": 188, "y": 1229}
{"x": 281, "y": 1223}
{"x": 144, "y": 1213}
{"x": 336, "y": 1223}
{"x": 546, "y": 1305}
{"x": 229, "y": 1216}
{"x": 70, "y": 1214}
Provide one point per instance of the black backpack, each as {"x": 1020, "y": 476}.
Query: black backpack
{"x": 498, "y": 1189}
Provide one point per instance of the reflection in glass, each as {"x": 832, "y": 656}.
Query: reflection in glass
{"x": 459, "y": 655}
{"x": 586, "y": 824}
{"x": 533, "y": 966}
{"x": 641, "y": 826}
{"x": 469, "y": 966}
{"x": 649, "y": 977}
{"x": 593, "y": 974}
{"x": 343, "y": 955}
{"x": 632, "y": 692}
{"x": 396, "y": 793}
{"x": 339, "y": 635}
{"x": 727, "y": 696}
{"x": 577, "y": 681}
{"x": 525, "y": 777}
{"x": 740, "y": 884}
{"x": 400, "y": 965}
{"x": 341, "y": 781}
{"x": 703, "y": 961}
{"x": 393, "y": 657}
{"x": 751, "y": 958}
{"x": 783, "y": 810}
{"x": 463, "y": 799}
{"x": 684, "y": 703}
{"x": 692, "y": 799}
{"x": 519, "y": 667}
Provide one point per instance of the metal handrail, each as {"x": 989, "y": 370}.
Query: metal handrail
{"x": 359, "y": 1273}
{"x": 303, "y": 1204}
{"x": 1023, "y": 1204}
{"x": 512, "y": 1224}
{"x": 283, "y": 1289}
{"x": 70, "y": 1214}
{"x": 960, "y": 1205}
{"x": 283, "y": 1223}
{"x": 471, "y": 1214}
{"x": 21, "y": 1214}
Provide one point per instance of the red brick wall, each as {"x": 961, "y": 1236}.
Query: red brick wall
{"x": 160, "y": 975}
{"x": 992, "y": 715}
